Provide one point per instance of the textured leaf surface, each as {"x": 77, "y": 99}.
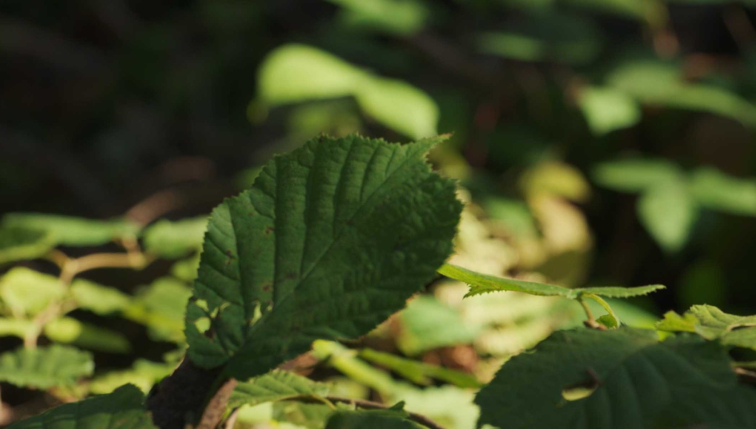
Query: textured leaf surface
{"x": 45, "y": 367}
{"x": 97, "y": 298}
{"x": 712, "y": 323}
{"x": 122, "y": 409}
{"x": 22, "y": 243}
{"x": 26, "y": 292}
{"x": 275, "y": 386}
{"x": 668, "y": 212}
{"x": 371, "y": 419}
{"x": 636, "y": 382}
{"x": 331, "y": 240}
{"x": 72, "y": 231}
{"x": 482, "y": 283}
{"x": 175, "y": 239}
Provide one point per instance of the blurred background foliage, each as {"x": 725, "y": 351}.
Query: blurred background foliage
{"x": 597, "y": 142}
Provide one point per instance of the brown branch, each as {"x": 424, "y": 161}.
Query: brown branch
{"x": 370, "y": 405}
{"x": 216, "y": 408}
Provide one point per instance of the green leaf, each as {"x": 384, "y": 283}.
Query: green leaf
{"x": 371, "y": 419}
{"x": 668, "y": 212}
{"x": 27, "y": 292}
{"x": 607, "y": 110}
{"x": 400, "y": 17}
{"x": 482, "y": 283}
{"x": 23, "y": 243}
{"x": 331, "y": 240}
{"x": 122, "y": 409}
{"x": 275, "y": 386}
{"x": 346, "y": 361}
{"x": 622, "y": 379}
{"x": 635, "y": 175}
{"x": 428, "y": 324}
{"x": 72, "y": 231}
{"x": 175, "y": 239}
{"x": 186, "y": 269}
{"x": 14, "y": 327}
{"x": 556, "y": 179}
{"x": 295, "y": 73}
{"x": 712, "y": 323}
{"x": 45, "y": 367}
{"x": 97, "y": 298}
{"x": 144, "y": 374}
{"x": 161, "y": 307}
{"x": 718, "y": 191}
{"x": 419, "y": 372}
{"x": 71, "y": 331}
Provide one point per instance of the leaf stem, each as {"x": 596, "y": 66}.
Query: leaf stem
{"x": 604, "y": 304}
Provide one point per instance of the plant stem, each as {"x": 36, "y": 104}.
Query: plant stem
{"x": 370, "y": 405}
{"x": 604, "y": 304}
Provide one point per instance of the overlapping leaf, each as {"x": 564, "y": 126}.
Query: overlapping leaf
{"x": 482, "y": 283}
{"x": 45, "y": 367}
{"x": 712, "y": 323}
{"x": 23, "y": 243}
{"x": 122, "y": 409}
{"x": 97, "y": 298}
{"x": 275, "y": 386}
{"x": 622, "y": 379}
{"x": 331, "y": 240}
{"x": 371, "y": 419}
{"x": 72, "y": 231}
{"x": 27, "y": 292}
{"x": 175, "y": 239}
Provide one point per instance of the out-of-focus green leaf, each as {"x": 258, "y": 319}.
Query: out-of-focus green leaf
{"x": 399, "y": 17}
{"x": 14, "y": 327}
{"x": 22, "y": 243}
{"x": 681, "y": 382}
{"x": 481, "y": 283}
{"x": 703, "y": 281}
{"x": 144, "y": 374}
{"x": 300, "y": 415}
{"x": 428, "y": 324}
{"x": 513, "y": 214}
{"x": 161, "y": 306}
{"x": 72, "y": 231}
{"x": 371, "y": 419}
{"x": 449, "y": 406}
{"x": 652, "y": 82}
{"x": 186, "y": 269}
{"x": 97, "y": 298}
{"x": 296, "y": 73}
{"x": 27, "y": 292}
{"x": 71, "y": 331}
{"x": 346, "y": 361}
{"x": 557, "y": 179}
{"x": 607, "y": 110}
{"x": 275, "y": 386}
{"x": 645, "y": 10}
{"x": 174, "y": 239}
{"x": 122, "y": 409}
{"x": 718, "y": 191}
{"x": 635, "y": 175}
{"x": 668, "y": 212}
{"x": 712, "y": 323}
{"x": 419, "y": 372}
{"x": 45, "y": 367}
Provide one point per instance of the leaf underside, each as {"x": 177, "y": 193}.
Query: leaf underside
{"x": 331, "y": 239}
{"x": 482, "y": 283}
{"x": 639, "y": 382}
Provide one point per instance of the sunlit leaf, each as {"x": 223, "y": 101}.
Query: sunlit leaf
{"x": 629, "y": 379}
{"x": 27, "y": 292}
{"x": 448, "y": 406}
{"x": 712, "y": 323}
{"x": 399, "y": 17}
{"x": 668, "y": 212}
{"x": 15, "y": 327}
{"x": 418, "y": 372}
{"x": 23, "y": 243}
{"x": 144, "y": 374}
{"x": 72, "y": 231}
{"x": 122, "y": 409}
{"x": 175, "y": 239}
{"x": 607, "y": 110}
{"x": 557, "y": 179}
{"x": 45, "y": 367}
{"x": 428, "y": 324}
{"x": 86, "y": 335}
{"x": 161, "y": 306}
{"x": 635, "y": 175}
{"x": 97, "y": 298}
{"x": 716, "y": 190}
{"x": 275, "y": 386}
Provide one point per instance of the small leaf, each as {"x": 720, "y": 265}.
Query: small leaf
{"x": 713, "y": 324}
{"x": 161, "y": 307}
{"x": 482, "y": 283}
{"x": 27, "y": 292}
{"x": 122, "y": 409}
{"x": 23, "y": 243}
{"x": 371, "y": 419}
{"x": 718, "y": 191}
{"x": 144, "y": 374}
{"x": 97, "y": 298}
{"x": 71, "y": 331}
{"x": 428, "y": 324}
{"x": 175, "y": 239}
{"x": 72, "y": 231}
{"x": 631, "y": 380}
{"x": 331, "y": 240}
{"x": 275, "y": 386}
{"x": 635, "y": 175}
{"x": 417, "y": 371}
{"x": 556, "y": 179}
{"x": 607, "y": 110}
{"x": 45, "y": 367}
{"x": 668, "y": 212}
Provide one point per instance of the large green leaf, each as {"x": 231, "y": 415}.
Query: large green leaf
{"x": 72, "y": 231}
{"x": 712, "y": 323}
{"x": 275, "y": 386}
{"x": 45, "y": 367}
{"x": 27, "y": 292}
{"x": 175, "y": 239}
{"x": 97, "y": 298}
{"x": 122, "y": 409}
{"x": 482, "y": 283}
{"x": 331, "y": 240}
{"x": 718, "y": 191}
{"x": 23, "y": 243}
{"x": 635, "y": 175}
{"x": 371, "y": 419}
{"x": 295, "y": 73}
{"x": 620, "y": 379}
{"x": 668, "y": 212}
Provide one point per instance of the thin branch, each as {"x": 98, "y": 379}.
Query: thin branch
{"x": 370, "y": 405}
